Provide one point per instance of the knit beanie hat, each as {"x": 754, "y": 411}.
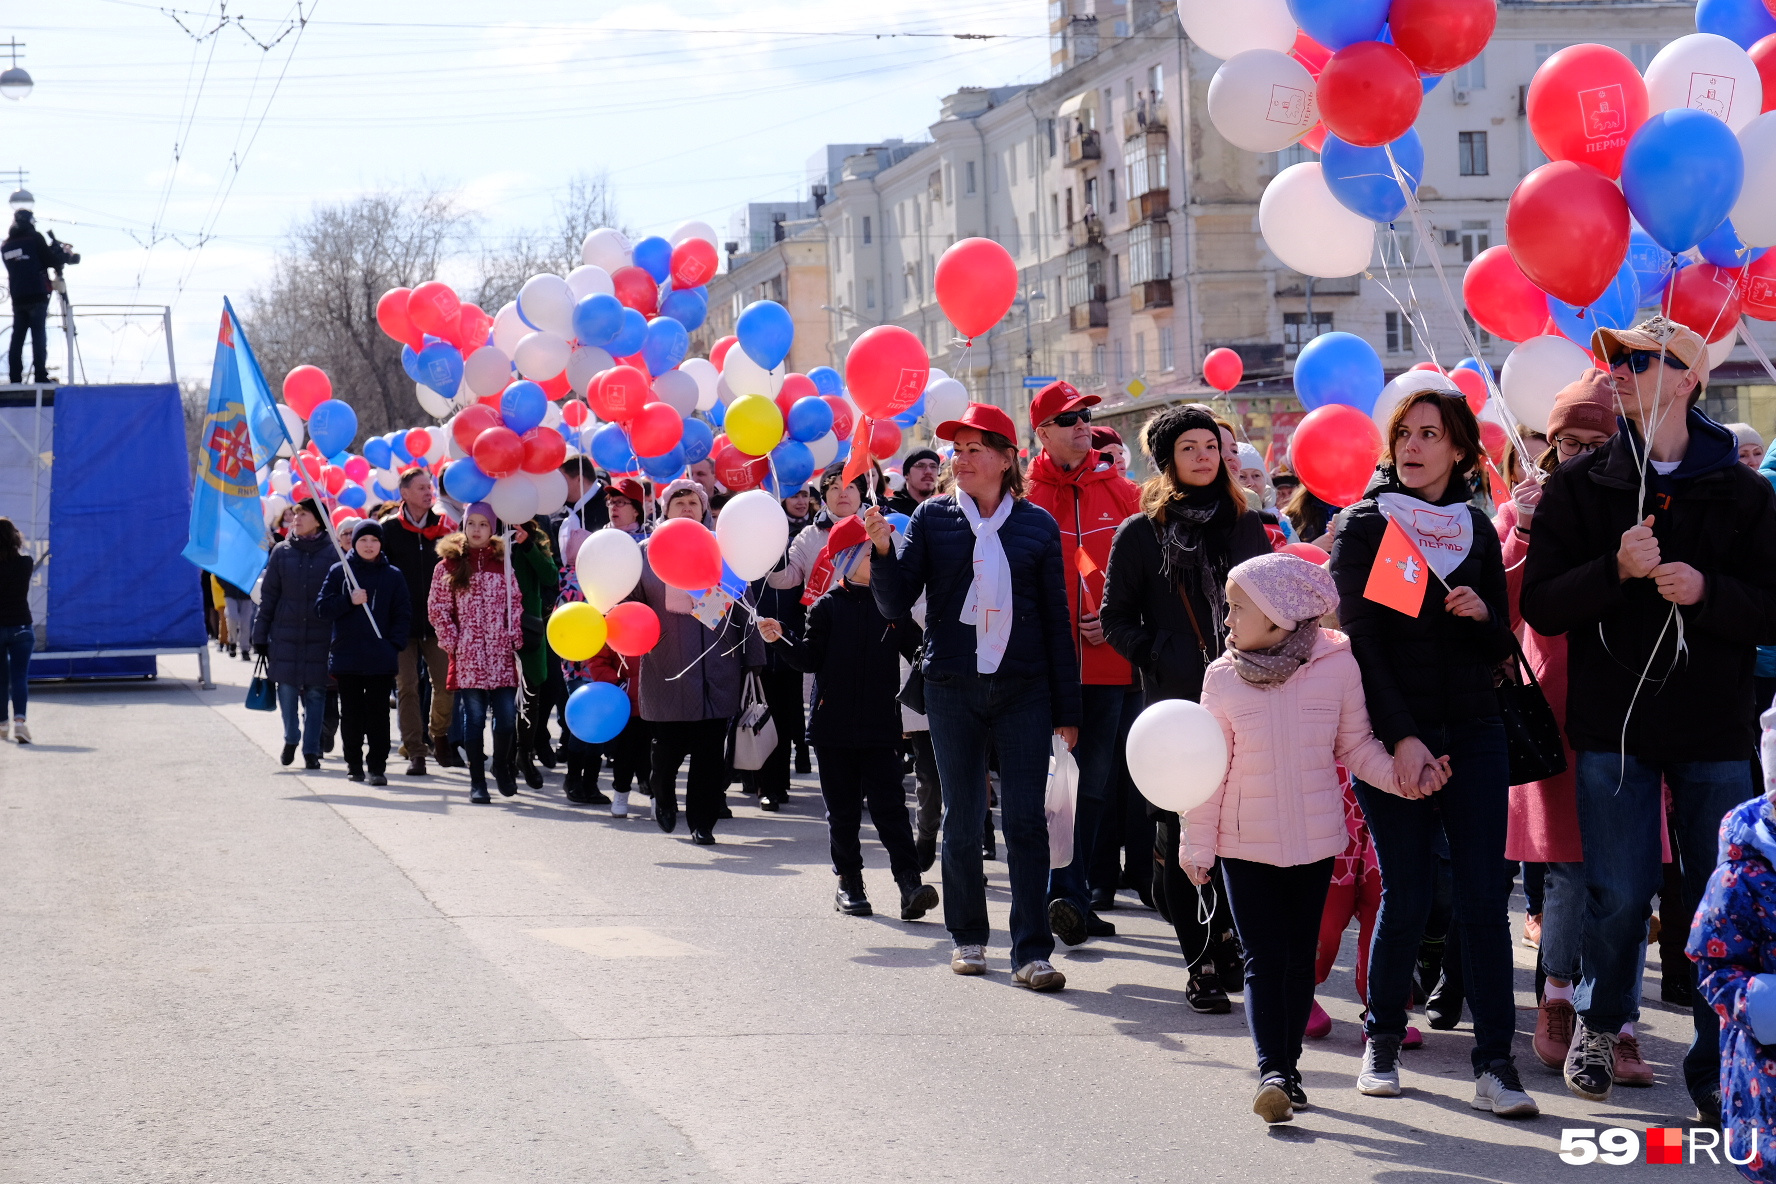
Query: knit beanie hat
{"x": 1161, "y": 434}
{"x": 1746, "y": 434}
{"x": 1287, "y": 589}
{"x": 483, "y": 509}
{"x": 685, "y": 485}
{"x": 1249, "y": 458}
{"x": 366, "y": 526}
{"x": 1588, "y": 403}
{"x": 912, "y": 458}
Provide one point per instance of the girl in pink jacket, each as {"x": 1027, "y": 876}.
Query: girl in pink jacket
{"x": 1290, "y": 700}
{"x": 477, "y": 612}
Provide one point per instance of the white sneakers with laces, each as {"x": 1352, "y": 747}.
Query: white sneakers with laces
{"x": 969, "y": 960}
{"x": 1039, "y": 975}
{"x": 21, "y": 731}
{"x": 620, "y": 803}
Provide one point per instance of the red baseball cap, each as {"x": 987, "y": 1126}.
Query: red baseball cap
{"x": 628, "y": 487}
{"x": 982, "y": 417}
{"x": 1055, "y": 398}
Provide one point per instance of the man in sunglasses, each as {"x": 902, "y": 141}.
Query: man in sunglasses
{"x": 1656, "y": 556}
{"x": 1081, "y": 488}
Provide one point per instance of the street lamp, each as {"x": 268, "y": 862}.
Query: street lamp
{"x": 21, "y": 198}
{"x": 15, "y": 84}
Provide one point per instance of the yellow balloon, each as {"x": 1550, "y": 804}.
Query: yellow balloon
{"x": 576, "y": 631}
{"x": 754, "y": 424}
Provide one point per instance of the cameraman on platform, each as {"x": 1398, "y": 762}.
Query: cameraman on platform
{"x": 29, "y": 260}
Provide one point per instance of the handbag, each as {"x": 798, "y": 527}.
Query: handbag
{"x": 755, "y": 732}
{"x": 912, "y": 693}
{"x": 262, "y": 693}
{"x": 1532, "y": 735}
{"x": 1060, "y": 803}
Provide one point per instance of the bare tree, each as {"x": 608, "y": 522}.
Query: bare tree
{"x": 555, "y": 249}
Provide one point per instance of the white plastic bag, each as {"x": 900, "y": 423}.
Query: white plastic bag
{"x": 1063, "y": 795}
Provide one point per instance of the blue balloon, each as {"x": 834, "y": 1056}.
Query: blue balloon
{"x": 1427, "y": 81}
{"x": 630, "y": 337}
{"x": 1478, "y": 366}
{"x": 1681, "y": 174}
{"x": 1338, "y": 23}
{"x": 654, "y": 256}
{"x": 440, "y": 367}
{"x": 378, "y": 452}
{"x": 665, "y": 345}
{"x": 731, "y": 583}
{"x": 465, "y": 482}
{"x": 718, "y": 414}
{"x": 827, "y": 380}
{"x": 698, "y": 440}
{"x": 765, "y": 331}
{"x": 910, "y": 416}
{"x": 689, "y": 308}
{"x": 793, "y": 463}
{"x": 1743, "y": 22}
{"x": 1338, "y": 368}
{"x": 1614, "y": 309}
{"x": 597, "y": 712}
{"x": 899, "y": 522}
{"x": 665, "y": 467}
{"x": 597, "y": 319}
{"x": 810, "y": 418}
{"x": 611, "y": 449}
{"x": 410, "y": 362}
{"x": 1363, "y": 181}
{"x": 1653, "y": 264}
{"x": 332, "y": 425}
{"x": 844, "y": 452}
{"x": 353, "y": 495}
{"x": 397, "y": 442}
{"x": 383, "y": 492}
{"x": 1724, "y": 248}
{"x": 338, "y": 459}
{"x": 523, "y": 406}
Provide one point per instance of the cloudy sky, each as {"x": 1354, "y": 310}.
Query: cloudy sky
{"x": 175, "y": 148}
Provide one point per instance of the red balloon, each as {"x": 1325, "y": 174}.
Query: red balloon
{"x": 619, "y": 393}
{"x": 470, "y": 422}
{"x": 333, "y": 477}
{"x": 1567, "y": 228}
{"x": 637, "y": 362}
{"x": 693, "y": 263}
{"x": 557, "y": 387}
{"x": 1429, "y": 366}
{"x": 1439, "y": 35}
{"x": 1704, "y": 298}
{"x": 636, "y": 289}
{"x": 1501, "y": 298}
{"x": 391, "y": 315}
{"x": 632, "y": 628}
{"x": 475, "y": 325}
{"x": 498, "y": 452}
{"x": 886, "y": 370}
{"x": 1369, "y": 94}
{"x": 1334, "y": 451}
{"x": 1584, "y": 104}
{"x": 433, "y": 308}
{"x": 738, "y": 471}
{"x": 544, "y": 450}
{"x": 1224, "y": 368}
{"x": 342, "y": 515}
{"x": 795, "y": 386}
{"x": 975, "y": 282}
{"x": 655, "y": 430}
{"x": 719, "y": 351}
{"x": 685, "y": 555}
{"x": 306, "y": 388}
{"x": 1494, "y": 439}
{"x": 574, "y": 413}
{"x": 1763, "y": 56}
{"x": 1757, "y": 290}
{"x": 419, "y": 442}
{"x": 1307, "y": 551}
{"x": 1310, "y": 53}
{"x": 884, "y": 439}
{"x": 842, "y": 418}
{"x": 1472, "y": 384}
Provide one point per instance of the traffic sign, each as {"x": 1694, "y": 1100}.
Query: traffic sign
{"x": 1038, "y": 382}
{"x": 1135, "y": 388}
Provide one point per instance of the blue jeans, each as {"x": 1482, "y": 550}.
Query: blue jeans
{"x": 1621, "y": 810}
{"x": 1471, "y": 809}
{"x": 16, "y": 644}
{"x": 1102, "y": 730}
{"x": 473, "y": 704}
{"x": 969, "y": 712}
{"x": 314, "y": 710}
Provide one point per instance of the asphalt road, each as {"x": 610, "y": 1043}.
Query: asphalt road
{"x": 218, "y": 969}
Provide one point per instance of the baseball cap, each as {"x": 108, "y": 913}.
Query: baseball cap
{"x": 630, "y": 488}
{"x": 982, "y": 417}
{"x": 1657, "y": 334}
{"x": 1055, "y": 398}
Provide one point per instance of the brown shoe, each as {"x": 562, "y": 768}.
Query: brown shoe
{"x": 1554, "y": 1032}
{"x": 417, "y": 766}
{"x": 1631, "y": 1069}
{"x": 443, "y": 754}
{"x": 1532, "y": 931}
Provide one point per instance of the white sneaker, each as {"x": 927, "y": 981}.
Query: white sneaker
{"x": 620, "y": 804}
{"x": 1380, "y": 1075}
{"x": 21, "y": 731}
{"x": 1038, "y": 975}
{"x": 1499, "y": 1090}
{"x": 969, "y": 960}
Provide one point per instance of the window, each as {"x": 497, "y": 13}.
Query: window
{"x": 1034, "y": 236}
{"x": 869, "y": 293}
{"x": 1115, "y": 276}
{"x": 906, "y": 285}
{"x": 1156, "y": 84}
{"x": 1146, "y": 166}
{"x": 1480, "y": 335}
{"x": 1098, "y": 357}
{"x": 919, "y": 282}
{"x": 1112, "y": 190}
{"x": 968, "y": 177}
{"x": 1073, "y": 362}
{"x": 1296, "y": 332}
{"x": 1167, "y": 359}
{"x": 1016, "y": 247}
{"x": 1128, "y": 93}
{"x": 1547, "y": 49}
{"x": 1140, "y": 353}
{"x": 1473, "y": 75}
{"x": 850, "y": 295}
{"x": 1292, "y": 155}
{"x": 1642, "y": 53}
{"x": 1399, "y": 333}
{"x": 867, "y": 236}
{"x": 1121, "y": 370}
{"x": 1085, "y": 277}
{"x": 1051, "y": 138}
{"x": 1397, "y": 249}
{"x": 1475, "y": 237}
{"x": 1472, "y": 154}
{"x": 1150, "y": 252}
{"x": 1091, "y": 195}
{"x": 916, "y": 222}
{"x": 1030, "y": 158}
{"x": 949, "y": 185}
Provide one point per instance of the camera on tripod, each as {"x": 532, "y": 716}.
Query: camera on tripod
{"x": 67, "y": 252}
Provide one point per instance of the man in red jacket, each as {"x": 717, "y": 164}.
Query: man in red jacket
{"x": 1089, "y": 499}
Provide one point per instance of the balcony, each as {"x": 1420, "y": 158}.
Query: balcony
{"x": 1083, "y": 149}
{"x": 1087, "y": 232}
{"x": 1143, "y": 119}
{"x": 1152, "y": 294}
{"x": 1293, "y": 283}
{"x": 1093, "y": 314}
{"x": 1152, "y": 206}
{"x": 1262, "y": 359}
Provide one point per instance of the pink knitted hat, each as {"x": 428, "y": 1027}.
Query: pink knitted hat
{"x": 1287, "y": 589}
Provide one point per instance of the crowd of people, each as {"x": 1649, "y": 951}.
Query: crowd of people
{"x": 970, "y": 618}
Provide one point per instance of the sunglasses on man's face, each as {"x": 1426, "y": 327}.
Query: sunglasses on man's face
{"x": 1067, "y": 419}
{"x": 1638, "y": 360}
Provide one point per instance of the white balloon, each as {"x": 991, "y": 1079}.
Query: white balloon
{"x": 1262, "y": 100}
{"x": 552, "y": 415}
{"x": 452, "y": 449}
{"x": 439, "y": 447}
{"x": 1309, "y": 230}
{"x": 545, "y": 302}
{"x": 590, "y": 281}
{"x": 609, "y": 566}
{"x": 280, "y": 481}
{"x": 723, "y": 392}
{"x": 753, "y": 531}
{"x": 746, "y": 377}
{"x": 606, "y": 248}
{"x": 487, "y": 371}
{"x": 541, "y": 355}
{"x": 1177, "y": 754}
{"x": 1754, "y": 217}
{"x": 1535, "y": 372}
{"x": 825, "y": 450}
{"x": 935, "y": 375}
{"x": 1226, "y": 29}
{"x": 513, "y": 498}
{"x": 704, "y": 373}
{"x": 1409, "y": 383}
{"x": 387, "y": 478}
{"x": 294, "y": 425}
{"x": 508, "y": 328}
{"x": 689, "y": 230}
{"x": 274, "y": 507}
{"x": 1718, "y": 350}
{"x": 677, "y": 390}
{"x": 586, "y": 363}
{"x": 1705, "y": 72}
{"x": 430, "y": 401}
{"x": 551, "y": 490}
{"x": 945, "y": 399}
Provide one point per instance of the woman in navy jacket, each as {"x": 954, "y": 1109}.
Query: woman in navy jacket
{"x": 363, "y": 663}
{"x": 999, "y": 669}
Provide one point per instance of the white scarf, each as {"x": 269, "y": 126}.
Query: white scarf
{"x": 988, "y": 607}
{"x": 572, "y": 522}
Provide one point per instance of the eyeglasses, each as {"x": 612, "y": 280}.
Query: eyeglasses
{"x": 1067, "y": 419}
{"x": 1572, "y": 446}
{"x": 1638, "y": 360}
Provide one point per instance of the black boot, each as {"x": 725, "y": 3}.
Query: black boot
{"x": 478, "y": 776}
{"x": 589, "y": 766}
{"x": 802, "y": 764}
{"x": 533, "y": 776}
{"x": 444, "y": 753}
{"x": 505, "y": 773}
{"x": 574, "y": 786}
{"x": 851, "y": 899}
{"x": 1443, "y": 1010}
{"x": 916, "y": 899}
{"x": 544, "y": 751}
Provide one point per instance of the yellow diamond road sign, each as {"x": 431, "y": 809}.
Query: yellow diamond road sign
{"x": 1135, "y": 388}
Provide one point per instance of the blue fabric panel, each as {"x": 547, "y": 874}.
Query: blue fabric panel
{"x": 59, "y": 668}
{"x": 119, "y": 506}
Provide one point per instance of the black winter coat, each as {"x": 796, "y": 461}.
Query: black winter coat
{"x": 785, "y": 606}
{"x": 415, "y": 553}
{"x": 287, "y": 618}
{"x": 854, "y": 652}
{"x": 1143, "y": 615}
{"x": 1714, "y": 514}
{"x": 356, "y": 647}
{"x": 938, "y": 560}
{"x": 1435, "y": 668}
{"x": 29, "y": 259}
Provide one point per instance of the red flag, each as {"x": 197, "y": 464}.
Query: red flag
{"x": 1398, "y": 578}
{"x": 1087, "y": 568}
{"x": 858, "y": 461}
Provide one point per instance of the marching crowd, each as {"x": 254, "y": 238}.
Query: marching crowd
{"x": 1575, "y": 700}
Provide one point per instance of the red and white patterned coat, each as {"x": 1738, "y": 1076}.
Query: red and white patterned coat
{"x": 479, "y": 627}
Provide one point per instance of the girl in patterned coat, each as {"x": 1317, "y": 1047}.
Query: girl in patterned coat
{"x": 477, "y": 613}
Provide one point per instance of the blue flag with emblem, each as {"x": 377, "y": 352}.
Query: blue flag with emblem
{"x": 241, "y": 435}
